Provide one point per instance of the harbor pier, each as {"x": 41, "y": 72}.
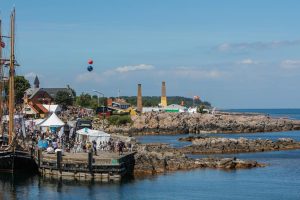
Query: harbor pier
{"x": 105, "y": 166}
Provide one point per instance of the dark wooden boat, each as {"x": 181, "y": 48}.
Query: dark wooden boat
{"x": 12, "y": 157}
{"x": 16, "y": 161}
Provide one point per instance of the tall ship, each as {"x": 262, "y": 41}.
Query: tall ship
{"x": 15, "y": 155}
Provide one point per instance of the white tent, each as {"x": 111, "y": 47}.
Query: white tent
{"x": 90, "y": 135}
{"x": 52, "y": 108}
{"x": 52, "y": 121}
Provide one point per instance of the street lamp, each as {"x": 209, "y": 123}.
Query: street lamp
{"x": 96, "y": 91}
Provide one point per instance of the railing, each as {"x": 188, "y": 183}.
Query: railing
{"x": 90, "y": 165}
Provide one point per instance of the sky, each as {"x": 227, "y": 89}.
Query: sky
{"x": 233, "y": 53}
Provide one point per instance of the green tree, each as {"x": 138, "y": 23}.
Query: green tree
{"x": 21, "y": 84}
{"x": 200, "y": 108}
{"x": 64, "y": 98}
{"x": 84, "y": 100}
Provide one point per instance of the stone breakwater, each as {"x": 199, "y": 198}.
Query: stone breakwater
{"x": 174, "y": 123}
{"x": 242, "y": 145}
{"x": 160, "y": 158}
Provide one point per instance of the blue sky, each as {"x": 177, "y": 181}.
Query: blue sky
{"x": 233, "y": 53}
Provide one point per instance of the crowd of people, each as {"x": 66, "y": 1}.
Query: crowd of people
{"x": 105, "y": 146}
{"x": 50, "y": 142}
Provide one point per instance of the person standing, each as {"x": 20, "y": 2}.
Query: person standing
{"x": 95, "y": 147}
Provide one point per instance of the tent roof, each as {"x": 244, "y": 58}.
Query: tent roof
{"x": 90, "y": 132}
{"x": 52, "y": 121}
{"x": 52, "y": 108}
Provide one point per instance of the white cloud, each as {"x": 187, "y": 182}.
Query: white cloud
{"x": 100, "y": 77}
{"x": 247, "y": 62}
{"x": 247, "y": 46}
{"x": 224, "y": 47}
{"x": 195, "y": 73}
{"x": 130, "y": 68}
{"x": 290, "y": 64}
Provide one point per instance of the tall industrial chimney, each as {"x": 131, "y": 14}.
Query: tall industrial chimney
{"x": 139, "y": 99}
{"x": 163, "y": 100}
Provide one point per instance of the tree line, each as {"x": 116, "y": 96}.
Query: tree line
{"x": 91, "y": 101}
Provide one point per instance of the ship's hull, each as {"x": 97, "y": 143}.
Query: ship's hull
{"x": 17, "y": 161}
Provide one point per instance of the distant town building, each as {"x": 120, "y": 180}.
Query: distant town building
{"x": 36, "y": 82}
{"x": 35, "y": 98}
{"x": 175, "y": 108}
{"x": 53, "y": 91}
{"x": 151, "y": 109}
{"x": 121, "y": 105}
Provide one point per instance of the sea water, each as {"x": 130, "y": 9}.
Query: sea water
{"x": 280, "y": 179}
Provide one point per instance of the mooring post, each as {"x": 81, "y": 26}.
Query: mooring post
{"x": 58, "y": 159}
{"x": 39, "y": 157}
{"x": 90, "y": 161}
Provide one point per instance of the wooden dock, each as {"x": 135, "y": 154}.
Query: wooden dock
{"x": 105, "y": 166}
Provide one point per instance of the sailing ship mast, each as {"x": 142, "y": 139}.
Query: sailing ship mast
{"x": 1, "y": 80}
{"x": 11, "y": 100}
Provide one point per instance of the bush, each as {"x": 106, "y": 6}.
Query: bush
{"x": 119, "y": 120}
{"x": 200, "y": 108}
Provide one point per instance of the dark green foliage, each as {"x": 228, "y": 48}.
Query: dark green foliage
{"x": 119, "y": 120}
{"x": 64, "y": 98}
{"x": 85, "y": 100}
{"x": 21, "y": 84}
{"x": 200, "y": 109}
{"x": 88, "y": 101}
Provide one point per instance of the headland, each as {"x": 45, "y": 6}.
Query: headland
{"x": 155, "y": 123}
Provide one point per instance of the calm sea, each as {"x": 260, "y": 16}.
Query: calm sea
{"x": 279, "y": 180}
{"x": 284, "y": 113}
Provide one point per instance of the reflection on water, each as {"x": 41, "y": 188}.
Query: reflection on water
{"x": 279, "y": 180}
{"x": 10, "y": 184}
{"x": 21, "y": 186}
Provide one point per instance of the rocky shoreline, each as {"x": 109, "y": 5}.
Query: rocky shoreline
{"x": 213, "y": 145}
{"x": 176, "y": 123}
{"x": 161, "y": 158}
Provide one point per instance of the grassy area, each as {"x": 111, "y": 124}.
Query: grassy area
{"x": 119, "y": 120}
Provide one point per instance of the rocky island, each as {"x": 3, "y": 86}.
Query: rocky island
{"x": 160, "y": 158}
{"x": 214, "y": 145}
{"x": 175, "y": 123}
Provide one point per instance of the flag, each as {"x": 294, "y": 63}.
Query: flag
{"x": 2, "y": 44}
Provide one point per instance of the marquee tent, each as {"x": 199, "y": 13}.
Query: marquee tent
{"x": 90, "y": 135}
{"x": 52, "y": 121}
{"x": 52, "y": 108}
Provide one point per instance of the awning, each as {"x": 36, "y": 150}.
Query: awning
{"x": 52, "y": 121}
